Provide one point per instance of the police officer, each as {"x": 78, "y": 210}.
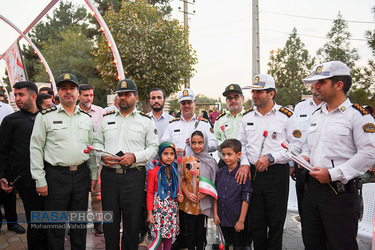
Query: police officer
{"x": 340, "y": 146}
{"x": 59, "y": 165}
{"x": 132, "y": 136}
{"x": 303, "y": 112}
{"x": 269, "y": 161}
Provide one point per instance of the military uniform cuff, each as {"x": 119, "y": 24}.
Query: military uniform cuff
{"x": 41, "y": 182}
{"x": 335, "y": 174}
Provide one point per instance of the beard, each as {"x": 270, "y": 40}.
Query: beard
{"x": 157, "y": 109}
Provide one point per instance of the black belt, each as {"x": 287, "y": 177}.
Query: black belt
{"x": 123, "y": 169}
{"x": 352, "y": 186}
{"x": 72, "y": 168}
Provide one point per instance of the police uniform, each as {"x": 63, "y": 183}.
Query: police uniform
{"x": 122, "y": 186}
{"x": 58, "y": 160}
{"x": 342, "y": 141}
{"x": 303, "y": 112}
{"x": 268, "y": 203}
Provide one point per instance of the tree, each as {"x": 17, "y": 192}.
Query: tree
{"x": 338, "y": 45}
{"x": 154, "y": 49}
{"x": 289, "y": 66}
{"x": 370, "y": 35}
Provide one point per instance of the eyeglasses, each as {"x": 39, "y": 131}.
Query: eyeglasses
{"x": 235, "y": 97}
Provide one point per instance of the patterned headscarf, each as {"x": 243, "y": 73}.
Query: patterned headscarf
{"x": 162, "y": 181}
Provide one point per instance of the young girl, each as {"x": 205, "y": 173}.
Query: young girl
{"x": 198, "y": 206}
{"x": 162, "y": 196}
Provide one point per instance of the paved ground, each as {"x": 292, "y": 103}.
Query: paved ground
{"x": 292, "y": 236}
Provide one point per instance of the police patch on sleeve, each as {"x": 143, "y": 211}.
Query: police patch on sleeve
{"x": 369, "y": 128}
{"x": 297, "y": 133}
{"x": 155, "y": 131}
{"x": 211, "y": 130}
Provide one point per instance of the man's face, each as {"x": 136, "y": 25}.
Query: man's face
{"x": 46, "y": 103}
{"x": 234, "y": 102}
{"x": 68, "y": 93}
{"x": 86, "y": 97}
{"x": 157, "y": 100}
{"x": 324, "y": 90}
{"x": 187, "y": 108}
{"x": 24, "y": 100}
{"x": 261, "y": 98}
{"x": 127, "y": 100}
{"x": 2, "y": 98}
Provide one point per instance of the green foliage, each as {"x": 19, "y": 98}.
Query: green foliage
{"x": 154, "y": 50}
{"x": 370, "y": 35}
{"x": 338, "y": 45}
{"x": 288, "y": 67}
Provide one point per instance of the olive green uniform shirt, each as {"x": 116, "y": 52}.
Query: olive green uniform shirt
{"x": 136, "y": 133}
{"x": 60, "y": 140}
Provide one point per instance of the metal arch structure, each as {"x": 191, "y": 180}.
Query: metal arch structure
{"x": 6, "y": 91}
{"x": 42, "y": 60}
{"x": 111, "y": 41}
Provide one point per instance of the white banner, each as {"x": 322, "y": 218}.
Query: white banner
{"x": 13, "y": 59}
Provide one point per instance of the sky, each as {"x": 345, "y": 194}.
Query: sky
{"x": 221, "y": 33}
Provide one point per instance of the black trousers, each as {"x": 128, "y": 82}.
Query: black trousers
{"x": 67, "y": 191}
{"x": 124, "y": 195}
{"x": 36, "y": 234}
{"x": 300, "y": 190}
{"x": 9, "y": 201}
{"x": 268, "y": 206}
{"x": 196, "y": 231}
{"x": 330, "y": 221}
{"x": 231, "y": 236}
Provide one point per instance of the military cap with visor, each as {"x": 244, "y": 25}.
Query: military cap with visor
{"x": 262, "y": 81}
{"x": 66, "y": 77}
{"x": 126, "y": 85}
{"x": 232, "y": 88}
{"x": 327, "y": 70}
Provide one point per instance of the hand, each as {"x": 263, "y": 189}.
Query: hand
{"x": 321, "y": 174}
{"x": 201, "y": 196}
{"x": 126, "y": 160}
{"x": 180, "y": 198}
{"x": 216, "y": 219}
{"x": 150, "y": 218}
{"x": 239, "y": 226}
{"x": 188, "y": 141}
{"x": 43, "y": 191}
{"x": 93, "y": 185}
{"x": 262, "y": 164}
{"x": 109, "y": 160}
{"x": 180, "y": 151}
{"x": 292, "y": 173}
{"x": 4, "y": 185}
{"x": 191, "y": 197}
{"x": 242, "y": 174}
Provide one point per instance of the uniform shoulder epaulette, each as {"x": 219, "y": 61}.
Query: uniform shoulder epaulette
{"x": 221, "y": 115}
{"x": 109, "y": 113}
{"x": 248, "y": 110}
{"x": 361, "y": 109}
{"x": 145, "y": 115}
{"x": 85, "y": 112}
{"x": 286, "y": 111}
{"x": 300, "y": 102}
{"x": 49, "y": 109}
{"x": 204, "y": 119}
{"x": 175, "y": 119}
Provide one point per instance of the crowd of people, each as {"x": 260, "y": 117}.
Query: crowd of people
{"x": 158, "y": 169}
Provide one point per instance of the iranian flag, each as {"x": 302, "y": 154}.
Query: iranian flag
{"x": 207, "y": 187}
{"x": 155, "y": 243}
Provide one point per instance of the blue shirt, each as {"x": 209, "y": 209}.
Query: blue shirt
{"x": 230, "y": 196}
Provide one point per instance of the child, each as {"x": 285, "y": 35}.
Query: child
{"x": 162, "y": 196}
{"x": 198, "y": 206}
{"x": 233, "y": 198}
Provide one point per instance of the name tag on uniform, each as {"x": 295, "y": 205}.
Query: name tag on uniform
{"x": 303, "y": 115}
{"x": 313, "y": 124}
{"x": 109, "y": 123}
{"x": 57, "y": 122}
{"x": 250, "y": 124}
{"x": 176, "y": 130}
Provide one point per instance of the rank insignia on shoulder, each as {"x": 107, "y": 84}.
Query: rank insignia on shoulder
{"x": 248, "y": 111}
{"x": 361, "y": 109}
{"x": 155, "y": 131}
{"x": 286, "y": 111}
{"x": 109, "y": 113}
{"x": 369, "y": 128}
{"x": 212, "y": 130}
{"x": 221, "y": 115}
{"x": 205, "y": 120}
{"x": 49, "y": 109}
{"x": 175, "y": 119}
{"x": 145, "y": 115}
{"x": 297, "y": 133}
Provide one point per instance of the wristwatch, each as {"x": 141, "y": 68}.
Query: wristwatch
{"x": 271, "y": 159}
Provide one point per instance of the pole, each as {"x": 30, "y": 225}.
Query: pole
{"x": 256, "y": 45}
{"x": 186, "y": 26}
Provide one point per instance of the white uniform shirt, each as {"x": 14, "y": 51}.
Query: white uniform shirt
{"x": 161, "y": 123}
{"x": 343, "y": 141}
{"x": 5, "y": 109}
{"x": 281, "y": 126}
{"x": 179, "y": 130}
{"x": 303, "y": 112}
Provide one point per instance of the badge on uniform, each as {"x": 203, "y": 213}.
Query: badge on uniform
{"x": 155, "y": 131}
{"x": 369, "y": 128}
{"x": 274, "y": 135}
{"x": 297, "y": 133}
{"x": 211, "y": 130}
